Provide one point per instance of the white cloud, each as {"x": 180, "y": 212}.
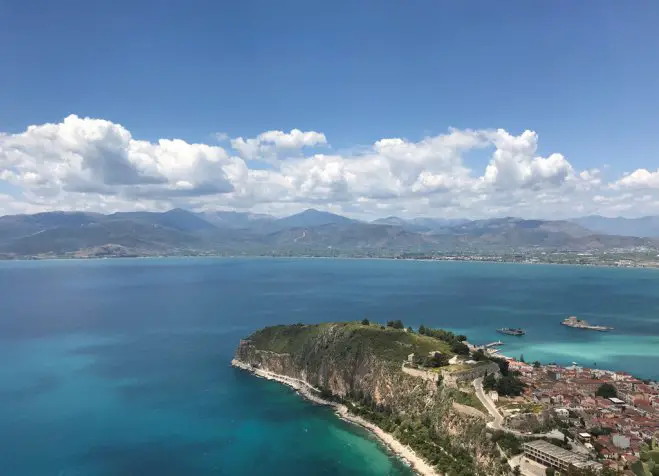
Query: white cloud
{"x": 93, "y": 164}
{"x": 269, "y": 142}
{"x": 93, "y": 156}
{"x": 639, "y": 179}
{"x": 514, "y": 163}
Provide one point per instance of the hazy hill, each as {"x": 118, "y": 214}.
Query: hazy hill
{"x": 15, "y": 226}
{"x": 351, "y": 235}
{"x": 132, "y": 234}
{"x": 177, "y": 219}
{"x": 421, "y": 224}
{"x": 311, "y": 218}
{"x": 505, "y": 226}
{"x": 644, "y": 227}
{"x": 402, "y": 223}
{"x": 181, "y": 232}
{"x": 230, "y": 219}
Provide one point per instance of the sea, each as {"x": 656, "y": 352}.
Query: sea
{"x": 121, "y": 367}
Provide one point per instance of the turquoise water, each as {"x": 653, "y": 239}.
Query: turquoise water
{"x": 120, "y": 367}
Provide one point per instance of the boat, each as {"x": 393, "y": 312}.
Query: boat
{"x": 572, "y": 321}
{"x": 511, "y": 331}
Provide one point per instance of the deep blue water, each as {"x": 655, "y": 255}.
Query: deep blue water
{"x": 120, "y": 367}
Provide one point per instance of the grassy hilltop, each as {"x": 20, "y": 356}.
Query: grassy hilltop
{"x": 349, "y": 339}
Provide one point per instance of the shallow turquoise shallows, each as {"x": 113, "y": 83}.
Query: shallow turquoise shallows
{"x": 121, "y": 367}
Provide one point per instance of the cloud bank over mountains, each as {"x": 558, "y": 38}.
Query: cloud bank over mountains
{"x": 97, "y": 165}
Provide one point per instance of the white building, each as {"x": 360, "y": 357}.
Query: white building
{"x": 620, "y": 441}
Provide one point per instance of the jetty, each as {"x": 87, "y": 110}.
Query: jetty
{"x": 493, "y": 344}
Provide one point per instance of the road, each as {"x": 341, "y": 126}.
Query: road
{"x": 487, "y": 402}
{"x": 497, "y": 423}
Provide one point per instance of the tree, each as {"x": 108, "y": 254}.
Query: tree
{"x": 502, "y": 363}
{"x": 397, "y": 324}
{"x": 460, "y": 348}
{"x": 510, "y": 385}
{"x": 606, "y": 390}
{"x": 410, "y": 330}
{"x": 436, "y": 360}
{"x": 517, "y": 471}
{"x": 521, "y": 358}
{"x": 365, "y": 322}
{"x": 550, "y": 472}
{"x": 490, "y": 382}
{"x": 479, "y": 356}
{"x": 461, "y": 338}
{"x": 422, "y": 329}
{"x": 537, "y": 364}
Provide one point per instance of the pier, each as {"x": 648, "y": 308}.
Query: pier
{"x": 493, "y": 344}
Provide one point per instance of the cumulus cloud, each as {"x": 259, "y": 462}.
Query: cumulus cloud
{"x": 514, "y": 163}
{"x": 94, "y": 164}
{"x": 83, "y": 155}
{"x": 270, "y": 141}
{"x": 639, "y": 179}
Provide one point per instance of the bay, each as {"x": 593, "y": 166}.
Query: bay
{"x": 120, "y": 367}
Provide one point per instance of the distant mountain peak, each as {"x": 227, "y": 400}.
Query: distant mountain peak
{"x": 314, "y": 211}
{"x": 312, "y": 217}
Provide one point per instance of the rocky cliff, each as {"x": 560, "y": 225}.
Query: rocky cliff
{"x": 361, "y": 365}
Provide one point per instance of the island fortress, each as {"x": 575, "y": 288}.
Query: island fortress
{"x": 572, "y": 321}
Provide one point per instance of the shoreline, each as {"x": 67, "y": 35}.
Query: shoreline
{"x": 307, "y": 391}
{"x": 367, "y": 258}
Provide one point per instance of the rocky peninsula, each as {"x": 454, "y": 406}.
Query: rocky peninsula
{"x": 359, "y": 368}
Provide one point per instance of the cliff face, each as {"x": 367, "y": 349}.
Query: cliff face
{"x": 362, "y": 365}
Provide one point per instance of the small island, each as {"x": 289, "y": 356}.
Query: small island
{"x": 452, "y": 408}
{"x": 572, "y": 321}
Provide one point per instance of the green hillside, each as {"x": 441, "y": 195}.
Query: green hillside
{"x": 385, "y": 343}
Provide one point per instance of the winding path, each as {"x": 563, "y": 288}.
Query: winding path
{"x": 487, "y": 402}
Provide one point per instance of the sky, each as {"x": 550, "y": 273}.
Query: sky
{"x": 368, "y": 108}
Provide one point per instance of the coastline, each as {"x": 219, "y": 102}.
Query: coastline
{"x": 307, "y": 391}
{"x": 654, "y": 267}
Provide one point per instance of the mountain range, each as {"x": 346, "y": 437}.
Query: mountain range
{"x": 311, "y": 232}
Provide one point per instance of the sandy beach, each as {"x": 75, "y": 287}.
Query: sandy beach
{"x": 414, "y": 461}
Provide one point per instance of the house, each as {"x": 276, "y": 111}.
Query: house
{"x": 562, "y": 413}
{"x": 554, "y": 374}
{"x": 494, "y": 395}
{"x": 585, "y": 436}
{"x": 620, "y": 441}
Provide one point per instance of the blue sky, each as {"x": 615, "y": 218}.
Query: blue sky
{"x": 582, "y": 75}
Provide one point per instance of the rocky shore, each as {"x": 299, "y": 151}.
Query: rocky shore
{"x": 308, "y": 391}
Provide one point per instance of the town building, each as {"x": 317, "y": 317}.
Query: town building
{"x": 556, "y": 457}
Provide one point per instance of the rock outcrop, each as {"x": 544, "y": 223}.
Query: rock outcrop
{"x": 361, "y": 365}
